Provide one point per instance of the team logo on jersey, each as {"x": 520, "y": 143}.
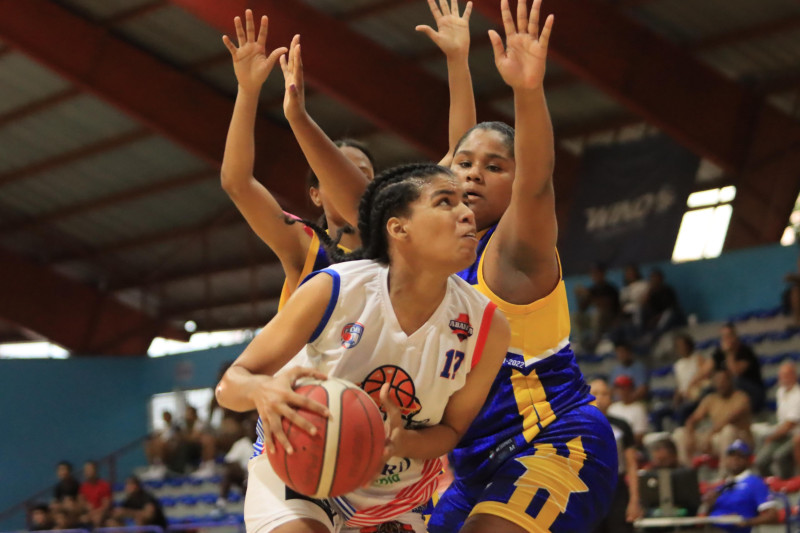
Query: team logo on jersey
{"x": 461, "y": 326}
{"x": 351, "y": 334}
{"x": 401, "y": 391}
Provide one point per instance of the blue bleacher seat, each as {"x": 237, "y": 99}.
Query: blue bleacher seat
{"x": 188, "y": 499}
{"x": 771, "y": 405}
{"x": 665, "y": 393}
{"x": 235, "y": 497}
{"x": 168, "y": 501}
{"x": 708, "y": 343}
{"x": 175, "y": 482}
{"x": 770, "y": 382}
{"x": 661, "y": 371}
{"x": 209, "y": 498}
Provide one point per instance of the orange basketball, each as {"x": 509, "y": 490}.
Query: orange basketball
{"x": 347, "y": 451}
{"x": 401, "y": 387}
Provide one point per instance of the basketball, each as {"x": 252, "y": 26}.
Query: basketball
{"x": 401, "y": 387}
{"x": 347, "y": 451}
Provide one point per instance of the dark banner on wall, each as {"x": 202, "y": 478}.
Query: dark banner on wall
{"x": 629, "y": 203}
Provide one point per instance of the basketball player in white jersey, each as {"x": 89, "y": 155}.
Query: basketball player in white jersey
{"x": 398, "y": 309}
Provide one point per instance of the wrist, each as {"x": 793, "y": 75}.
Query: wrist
{"x": 297, "y": 116}
{"x": 458, "y": 59}
{"x": 249, "y": 91}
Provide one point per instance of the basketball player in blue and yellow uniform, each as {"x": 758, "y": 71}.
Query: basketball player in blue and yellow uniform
{"x": 539, "y": 457}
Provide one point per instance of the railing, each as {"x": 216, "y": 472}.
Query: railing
{"x": 110, "y": 461}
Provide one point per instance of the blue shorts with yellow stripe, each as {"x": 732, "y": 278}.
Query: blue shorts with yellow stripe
{"x": 563, "y": 481}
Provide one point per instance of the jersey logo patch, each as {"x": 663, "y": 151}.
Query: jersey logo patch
{"x": 351, "y": 334}
{"x": 461, "y": 326}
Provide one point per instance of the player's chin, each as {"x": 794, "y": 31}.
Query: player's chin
{"x": 467, "y": 253}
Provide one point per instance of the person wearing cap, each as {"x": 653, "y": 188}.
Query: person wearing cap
{"x": 628, "y": 408}
{"x": 625, "y": 507}
{"x": 742, "y": 493}
{"x": 627, "y": 366}
{"x": 728, "y": 411}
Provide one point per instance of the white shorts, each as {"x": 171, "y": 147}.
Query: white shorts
{"x": 266, "y": 506}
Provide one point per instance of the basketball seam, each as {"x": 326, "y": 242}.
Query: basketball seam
{"x": 328, "y": 471}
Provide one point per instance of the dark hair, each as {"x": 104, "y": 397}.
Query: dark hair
{"x": 731, "y": 326}
{"x": 313, "y": 181}
{"x": 500, "y": 127}
{"x": 66, "y": 464}
{"x": 93, "y": 463}
{"x": 135, "y": 481}
{"x": 665, "y": 444}
{"x": 657, "y": 272}
{"x": 685, "y": 337}
{"x": 389, "y": 195}
{"x": 623, "y": 344}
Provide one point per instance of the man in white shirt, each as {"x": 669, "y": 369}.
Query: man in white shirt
{"x": 631, "y": 411}
{"x": 775, "y": 455}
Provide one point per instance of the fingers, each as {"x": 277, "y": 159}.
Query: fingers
{"x": 298, "y": 420}
{"x": 497, "y": 45}
{"x": 444, "y": 7}
{"x": 237, "y": 21}
{"x": 437, "y": 14}
{"x": 508, "y": 21}
{"x": 262, "y": 31}
{"x": 467, "y": 11}
{"x": 229, "y": 45}
{"x": 276, "y": 428}
{"x": 284, "y": 66}
{"x": 393, "y": 414}
{"x": 544, "y": 39}
{"x": 304, "y": 372}
{"x": 304, "y": 402}
{"x": 533, "y": 22}
{"x": 427, "y": 30}
{"x": 250, "y": 26}
{"x": 273, "y": 57}
{"x": 522, "y": 14}
{"x": 269, "y": 442}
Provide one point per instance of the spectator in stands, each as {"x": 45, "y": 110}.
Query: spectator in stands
{"x": 95, "y": 496}
{"x": 226, "y": 425}
{"x": 235, "y": 466}
{"x": 628, "y": 408}
{"x": 688, "y": 371}
{"x": 661, "y": 310}
{"x": 64, "y": 519}
{"x": 775, "y": 455}
{"x": 200, "y": 443}
{"x": 40, "y": 518}
{"x": 139, "y": 506}
{"x": 743, "y": 364}
{"x": 66, "y": 490}
{"x": 625, "y": 507}
{"x": 742, "y": 493}
{"x": 790, "y": 300}
{"x": 160, "y": 448}
{"x": 627, "y": 366}
{"x": 664, "y": 454}
{"x": 633, "y": 294}
{"x": 598, "y": 308}
{"x": 728, "y": 411}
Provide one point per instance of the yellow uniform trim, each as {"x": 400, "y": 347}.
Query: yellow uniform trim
{"x": 308, "y": 267}
{"x": 558, "y": 475}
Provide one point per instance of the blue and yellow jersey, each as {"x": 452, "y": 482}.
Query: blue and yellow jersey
{"x": 539, "y": 380}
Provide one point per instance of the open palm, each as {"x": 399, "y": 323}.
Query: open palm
{"x": 250, "y": 61}
{"x": 522, "y": 61}
{"x": 452, "y": 30}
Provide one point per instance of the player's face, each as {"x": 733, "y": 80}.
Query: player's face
{"x": 486, "y": 167}
{"x": 320, "y": 199}
{"x": 440, "y": 229}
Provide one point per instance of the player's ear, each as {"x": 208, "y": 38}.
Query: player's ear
{"x": 316, "y": 198}
{"x": 396, "y": 228}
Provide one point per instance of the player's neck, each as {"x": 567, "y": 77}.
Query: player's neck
{"x": 349, "y": 240}
{"x": 415, "y": 295}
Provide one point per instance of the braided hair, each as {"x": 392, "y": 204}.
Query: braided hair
{"x": 500, "y": 127}
{"x": 390, "y": 194}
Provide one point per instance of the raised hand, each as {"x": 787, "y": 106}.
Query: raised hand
{"x": 276, "y": 399}
{"x": 452, "y": 33}
{"x": 522, "y": 62}
{"x": 294, "y": 100}
{"x": 250, "y": 61}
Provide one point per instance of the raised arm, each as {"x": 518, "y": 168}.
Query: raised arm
{"x": 343, "y": 181}
{"x": 251, "y": 383}
{"x": 522, "y": 265}
{"x": 452, "y": 37}
{"x": 262, "y": 212}
{"x": 462, "y": 407}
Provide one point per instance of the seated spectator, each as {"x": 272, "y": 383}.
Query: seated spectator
{"x": 742, "y": 493}
{"x": 200, "y": 444}
{"x": 235, "y": 465}
{"x": 64, "y": 519}
{"x": 625, "y": 507}
{"x": 40, "y": 518}
{"x": 664, "y": 454}
{"x": 688, "y": 370}
{"x": 598, "y": 309}
{"x": 661, "y": 310}
{"x": 628, "y": 409}
{"x": 95, "y": 495}
{"x": 775, "y": 455}
{"x": 728, "y": 411}
{"x": 743, "y": 364}
{"x": 633, "y": 294}
{"x": 139, "y": 506}
{"x": 627, "y": 366}
{"x": 790, "y": 299}
{"x": 226, "y": 425}
{"x": 65, "y": 492}
{"x": 160, "y": 447}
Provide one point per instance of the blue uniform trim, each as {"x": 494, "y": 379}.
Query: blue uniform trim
{"x": 331, "y": 303}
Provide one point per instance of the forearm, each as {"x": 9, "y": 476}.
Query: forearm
{"x": 463, "y": 115}
{"x": 343, "y": 181}
{"x": 235, "y": 390}
{"x": 769, "y": 516}
{"x": 783, "y": 429}
{"x": 534, "y": 146}
{"x": 239, "y": 155}
{"x": 429, "y": 443}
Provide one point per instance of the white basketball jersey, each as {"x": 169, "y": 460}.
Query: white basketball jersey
{"x": 359, "y": 339}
